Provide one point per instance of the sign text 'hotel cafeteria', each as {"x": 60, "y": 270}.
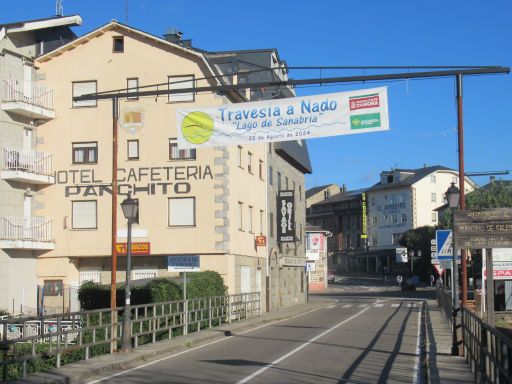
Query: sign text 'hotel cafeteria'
{"x": 134, "y": 181}
{"x": 274, "y": 120}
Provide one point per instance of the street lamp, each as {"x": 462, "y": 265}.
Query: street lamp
{"x": 131, "y": 213}
{"x": 453, "y": 197}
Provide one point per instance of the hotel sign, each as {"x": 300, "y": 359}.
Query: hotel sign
{"x": 483, "y": 228}
{"x": 364, "y": 234}
{"x": 341, "y": 113}
{"x": 285, "y": 217}
{"x": 138, "y": 249}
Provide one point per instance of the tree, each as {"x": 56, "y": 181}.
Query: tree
{"x": 494, "y": 195}
{"x": 418, "y": 239}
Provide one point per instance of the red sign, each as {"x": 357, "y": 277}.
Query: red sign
{"x": 438, "y": 268}
{"x": 261, "y": 241}
{"x": 363, "y": 102}
{"x": 138, "y": 249}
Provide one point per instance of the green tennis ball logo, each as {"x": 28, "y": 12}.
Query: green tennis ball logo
{"x": 197, "y": 127}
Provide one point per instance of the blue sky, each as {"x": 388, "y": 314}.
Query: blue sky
{"x": 423, "y": 117}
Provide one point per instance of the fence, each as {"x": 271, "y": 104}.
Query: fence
{"x": 27, "y": 92}
{"x": 26, "y": 160}
{"x": 26, "y": 228}
{"x": 487, "y": 350}
{"x": 29, "y": 342}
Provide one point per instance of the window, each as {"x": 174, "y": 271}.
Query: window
{"x": 373, "y": 201}
{"x": 434, "y": 217}
{"x": 404, "y": 217}
{"x": 249, "y": 217}
{"x": 89, "y": 274}
{"x": 132, "y": 86}
{"x": 53, "y": 287}
{"x": 300, "y": 192}
{"x": 240, "y": 216}
{"x": 404, "y": 198}
{"x": 271, "y": 226}
{"x": 394, "y": 199}
{"x": 85, "y": 153}
{"x": 80, "y": 88}
{"x": 181, "y": 82}
{"x": 278, "y": 180}
{"x": 84, "y": 214}
{"x": 240, "y": 156}
{"x": 432, "y": 178}
{"x": 286, "y": 182}
{"x": 374, "y": 220}
{"x": 394, "y": 218}
{"x": 270, "y": 178}
{"x": 433, "y": 197}
{"x": 118, "y": 44}
{"x": 249, "y": 162}
{"x": 300, "y": 233}
{"x": 261, "y": 169}
{"x": 396, "y": 238}
{"x": 180, "y": 154}
{"x": 293, "y": 185}
{"x": 374, "y": 239}
{"x": 262, "y": 220}
{"x": 270, "y": 148}
{"x": 245, "y": 279}
{"x": 133, "y": 149}
{"x": 182, "y": 211}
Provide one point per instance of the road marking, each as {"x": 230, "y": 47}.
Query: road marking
{"x": 395, "y": 305}
{"x": 411, "y": 305}
{"x": 277, "y": 361}
{"x": 362, "y": 305}
{"x": 416, "y": 374}
{"x": 347, "y": 306}
{"x": 199, "y": 347}
{"x": 379, "y": 305}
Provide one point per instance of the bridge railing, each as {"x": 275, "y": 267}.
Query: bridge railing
{"x": 29, "y": 344}
{"x": 487, "y": 350}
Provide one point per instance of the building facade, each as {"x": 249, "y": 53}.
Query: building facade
{"x": 26, "y": 106}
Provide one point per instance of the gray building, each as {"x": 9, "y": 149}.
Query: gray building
{"x": 24, "y": 172}
{"x": 286, "y": 162}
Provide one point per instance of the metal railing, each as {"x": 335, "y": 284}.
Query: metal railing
{"x": 26, "y": 228}
{"x": 26, "y": 160}
{"x": 26, "y": 342}
{"x": 27, "y": 92}
{"x": 444, "y": 299}
{"x": 487, "y": 350}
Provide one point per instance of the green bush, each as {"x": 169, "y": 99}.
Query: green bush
{"x": 205, "y": 284}
{"x": 3, "y": 312}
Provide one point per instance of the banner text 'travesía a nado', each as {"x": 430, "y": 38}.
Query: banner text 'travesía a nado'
{"x": 297, "y": 118}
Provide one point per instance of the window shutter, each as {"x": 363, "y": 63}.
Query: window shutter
{"x": 181, "y": 82}
{"x": 83, "y": 88}
{"x": 182, "y": 211}
{"x": 84, "y": 214}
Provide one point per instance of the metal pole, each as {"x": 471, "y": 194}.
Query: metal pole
{"x": 184, "y": 285}
{"x": 460, "y": 130}
{"x": 455, "y": 296}
{"x": 127, "y": 315}
{"x": 113, "y": 280}
{"x": 490, "y": 287}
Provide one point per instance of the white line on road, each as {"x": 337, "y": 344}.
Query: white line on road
{"x": 395, "y": 305}
{"x": 411, "y": 305}
{"x": 275, "y": 362}
{"x": 416, "y": 376}
{"x": 362, "y": 305}
{"x": 199, "y": 347}
{"x": 379, "y": 305}
{"x": 347, "y": 306}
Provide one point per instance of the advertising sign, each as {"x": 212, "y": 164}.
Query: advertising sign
{"x": 183, "y": 263}
{"x": 401, "y": 255}
{"x": 364, "y": 231}
{"x": 296, "y": 118}
{"x": 285, "y": 217}
{"x": 260, "y": 241}
{"x": 138, "y": 249}
{"x": 483, "y": 228}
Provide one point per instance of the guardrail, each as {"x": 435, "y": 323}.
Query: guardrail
{"x": 26, "y": 228}
{"x": 27, "y": 92}
{"x": 26, "y": 160}
{"x": 53, "y": 340}
{"x": 487, "y": 350}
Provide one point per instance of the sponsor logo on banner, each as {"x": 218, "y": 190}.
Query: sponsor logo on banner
{"x": 362, "y": 102}
{"x": 368, "y": 120}
{"x": 283, "y": 119}
{"x": 285, "y": 217}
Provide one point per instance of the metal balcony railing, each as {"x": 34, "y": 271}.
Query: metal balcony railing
{"x": 30, "y": 93}
{"x": 26, "y": 228}
{"x": 26, "y": 160}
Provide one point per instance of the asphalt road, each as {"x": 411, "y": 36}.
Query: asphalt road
{"x": 354, "y": 340}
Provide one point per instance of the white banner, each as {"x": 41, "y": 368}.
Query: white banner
{"x": 297, "y": 118}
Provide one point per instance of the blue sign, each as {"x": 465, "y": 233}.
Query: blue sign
{"x": 444, "y": 241}
{"x": 183, "y": 263}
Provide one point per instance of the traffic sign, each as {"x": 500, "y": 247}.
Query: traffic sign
{"x": 438, "y": 269}
{"x": 444, "y": 240}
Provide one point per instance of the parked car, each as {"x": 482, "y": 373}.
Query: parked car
{"x": 331, "y": 277}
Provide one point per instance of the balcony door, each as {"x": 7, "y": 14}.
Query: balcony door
{"x": 27, "y": 81}
{"x": 27, "y": 217}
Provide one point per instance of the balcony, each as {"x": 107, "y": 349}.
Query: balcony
{"x": 33, "y": 233}
{"x": 26, "y": 99}
{"x": 26, "y": 166}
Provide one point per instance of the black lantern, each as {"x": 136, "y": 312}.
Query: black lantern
{"x": 453, "y": 196}
{"x": 131, "y": 209}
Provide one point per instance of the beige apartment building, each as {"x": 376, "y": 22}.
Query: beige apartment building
{"x": 209, "y": 202}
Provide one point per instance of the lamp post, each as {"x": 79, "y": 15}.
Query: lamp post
{"x": 131, "y": 213}
{"x": 453, "y": 197}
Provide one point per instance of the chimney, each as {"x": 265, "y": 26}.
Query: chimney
{"x": 173, "y": 35}
{"x": 344, "y": 188}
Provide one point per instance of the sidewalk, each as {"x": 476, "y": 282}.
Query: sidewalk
{"x": 84, "y": 371}
{"x": 442, "y": 366}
